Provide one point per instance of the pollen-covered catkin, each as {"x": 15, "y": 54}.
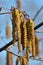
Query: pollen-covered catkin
{"x": 25, "y": 33}
{"x": 33, "y": 37}
{"x": 37, "y": 49}
{"x": 14, "y": 29}
{"x": 28, "y": 46}
{"x": 17, "y": 21}
{"x": 30, "y": 36}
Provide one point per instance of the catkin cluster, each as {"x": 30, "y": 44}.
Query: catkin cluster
{"x": 23, "y": 29}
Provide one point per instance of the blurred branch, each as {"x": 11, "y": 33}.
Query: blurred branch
{"x": 20, "y": 56}
{"x": 38, "y": 13}
{"x": 6, "y": 46}
{"x": 6, "y": 13}
{"x": 38, "y": 26}
{"x": 39, "y": 31}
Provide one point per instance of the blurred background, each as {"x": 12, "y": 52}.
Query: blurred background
{"x": 31, "y": 7}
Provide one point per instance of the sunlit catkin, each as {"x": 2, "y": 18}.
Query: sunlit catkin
{"x": 25, "y": 33}
{"x": 33, "y": 37}
{"x": 30, "y": 36}
{"x": 8, "y": 31}
{"x": 37, "y": 49}
{"x": 17, "y": 21}
{"x": 14, "y": 29}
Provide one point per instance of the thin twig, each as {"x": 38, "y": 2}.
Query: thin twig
{"x": 38, "y": 26}
{"x": 30, "y": 56}
{"x": 6, "y": 13}
{"x": 39, "y": 31}
{"x": 38, "y": 13}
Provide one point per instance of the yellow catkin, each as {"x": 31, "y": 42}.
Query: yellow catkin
{"x": 24, "y": 60}
{"x": 27, "y": 54}
{"x": 37, "y": 49}
{"x": 8, "y": 31}
{"x": 25, "y": 33}
{"x": 13, "y": 27}
{"x": 30, "y": 36}
{"x": 17, "y": 20}
{"x": 33, "y": 37}
{"x": 28, "y": 46}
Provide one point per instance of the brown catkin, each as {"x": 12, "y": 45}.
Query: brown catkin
{"x": 18, "y": 4}
{"x": 37, "y": 49}
{"x": 8, "y": 31}
{"x": 22, "y": 35}
{"x": 9, "y": 58}
{"x": 17, "y": 60}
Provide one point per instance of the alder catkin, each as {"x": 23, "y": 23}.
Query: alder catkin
{"x": 24, "y": 60}
{"x": 25, "y": 33}
{"x": 14, "y": 29}
{"x": 8, "y": 31}
{"x": 33, "y": 37}
{"x": 30, "y": 36}
{"x": 9, "y": 58}
{"x": 37, "y": 49}
{"x": 18, "y": 4}
{"x": 17, "y": 20}
{"x": 17, "y": 60}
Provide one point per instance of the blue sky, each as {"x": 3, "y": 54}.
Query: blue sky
{"x": 31, "y": 7}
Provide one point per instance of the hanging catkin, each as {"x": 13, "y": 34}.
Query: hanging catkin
{"x": 27, "y": 54}
{"x": 16, "y": 16}
{"x": 14, "y": 28}
{"x": 25, "y": 33}
{"x": 24, "y": 60}
{"x": 33, "y": 38}
{"x": 37, "y": 49}
{"x": 9, "y": 58}
{"x": 17, "y": 60}
{"x": 22, "y": 35}
{"x": 18, "y": 4}
{"x": 8, "y": 31}
{"x": 30, "y": 36}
